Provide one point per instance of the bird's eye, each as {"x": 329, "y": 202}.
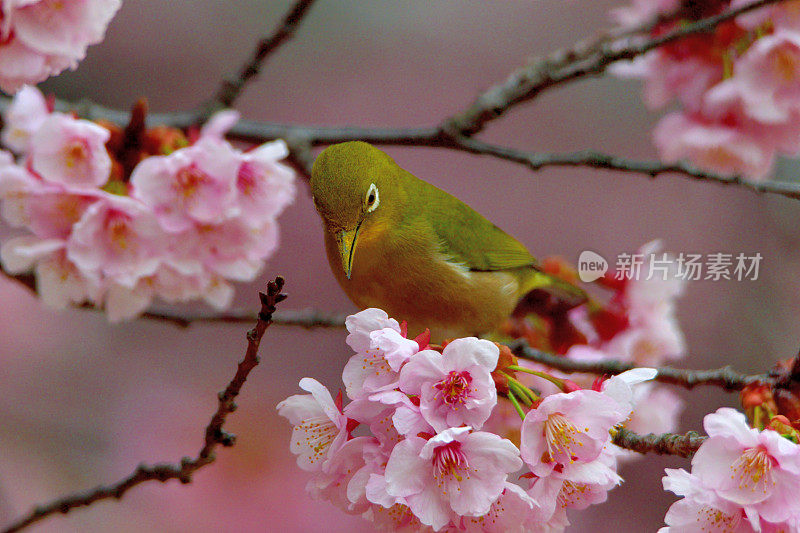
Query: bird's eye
{"x": 373, "y": 199}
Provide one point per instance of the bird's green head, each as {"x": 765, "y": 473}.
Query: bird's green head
{"x": 357, "y": 192}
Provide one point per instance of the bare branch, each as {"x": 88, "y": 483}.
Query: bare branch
{"x": 725, "y": 378}
{"x": 664, "y": 444}
{"x": 305, "y": 318}
{"x": 230, "y": 90}
{"x": 593, "y": 159}
{"x": 215, "y": 435}
{"x": 528, "y": 82}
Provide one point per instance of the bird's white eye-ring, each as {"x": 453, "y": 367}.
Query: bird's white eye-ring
{"x": 373, "y": 199}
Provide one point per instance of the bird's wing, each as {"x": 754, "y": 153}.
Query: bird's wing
{"x": 471, "y": 240}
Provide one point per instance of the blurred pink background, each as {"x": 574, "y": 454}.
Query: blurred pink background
{"x": 84, "y": 402}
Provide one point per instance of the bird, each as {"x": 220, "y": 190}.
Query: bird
{"x": 400, "y": 244}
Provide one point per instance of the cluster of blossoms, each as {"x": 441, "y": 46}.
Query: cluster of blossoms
{"x": 742, "y": 479}
{"x": 637, "y": 324}
{"x": 412, "y": 449}
{"x": 738, "y": 87}
{"x": 120, "y": 217}
{"x": 41, "y": 38}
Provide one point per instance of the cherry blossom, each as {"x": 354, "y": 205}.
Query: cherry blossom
{"x": 182, "y": 228}
{"x": 455, "y": 387}
{"x": 118, "y": 239}
{"x": 759, "y": 470}
{"x": 70, "y": 152}
{"x": 320, "y": 428}
{"x": 338, "y": 482}
{"x": 751, "y": 63}
{"x": 701, "y": 510}
{"x": 381, "y": 350}
{"x": 41, "y": 38}
{"x": 575, "y": 486}
{"x": 567, "y": 428}
{"x": 194, "y": 185}
{"x": 505, "y": 513}
{"x": 457, "y": 471}
{"x": 24, "y": 115}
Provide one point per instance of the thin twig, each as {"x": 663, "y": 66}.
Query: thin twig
{"x": 230, "y": 90}
{"x": 665, "y": 444}
{"x": 725, "y": 378}
{"x": 599, "y": 160}
{"x": 305, "y": 318}
{"x": 528, "y": 82}
{"x": 215, "y": 435}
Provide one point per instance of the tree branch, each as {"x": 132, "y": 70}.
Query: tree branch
{"x": 664, "y": 444}
{"x": 230, "y": 90}
{"x": 215, "y": 435}
{"x": 305, "y": 318}
{"x": 528, "y": 82}
{"x": 725, "y": 377}
{"x": 300, "y": 138}
{"x": 592, "y": 159}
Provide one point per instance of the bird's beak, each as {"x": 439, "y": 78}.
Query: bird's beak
{"x": 347, "y": 244}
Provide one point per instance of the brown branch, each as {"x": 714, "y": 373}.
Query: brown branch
{"x": 303, "y": 318}
{"x": 215, "y": 435}
{"x": 230, "y": 90}
{"x": 528, "y": 82}
{"x": 306, "y": 318}
{"x": 664, "y": 444}
{"x": 725, "y": 378}
{"x": 592, "y": 159}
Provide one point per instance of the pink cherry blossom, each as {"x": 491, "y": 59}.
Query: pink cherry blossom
{"x": 658, "y": 409}
{"x": 389, "y": 414}
{"x": 769, "y": 74}
{"x": 457, "y": 471}
{"x": 70, "y": 152}
{"x": 397, "y": 518}
{"x": 757, "y": 54}
{"x": 379, "y": 417}
{"x": 575, "y": 486}
{"x": 702, "y": 510}
{"x": 194, "y": 185}
{"x": 380, "y": 353}
{"x": 455, "y": 387}
{"x": 333, "y": 483}
{"x": 59, "y": 283}
{"x": 360, "y": 325}
{"x": 506, "y": 515}
{"x": 21, "y": 65}
{"x": 118, "y": 239}
{"x": 666, "y": 79}
{"x": 642, "y": 11}
{"x": 651, "y": 334}
{"x": 320, "y": 428}
{"x": 759, "y": 470}
{"x": 567, "y": 428}
{"x": 42, "y": 38}
{"x": 26, "y": 113}
{"x": 20, "y": 254}
{"x": 60, "y": 28}
{"x": 233, "y": 249}
{"x": 715, "y": 146}
{"x": 783, "y": 15}
{"x": 621, "y": 386}
{"x": 265, "y": 187}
